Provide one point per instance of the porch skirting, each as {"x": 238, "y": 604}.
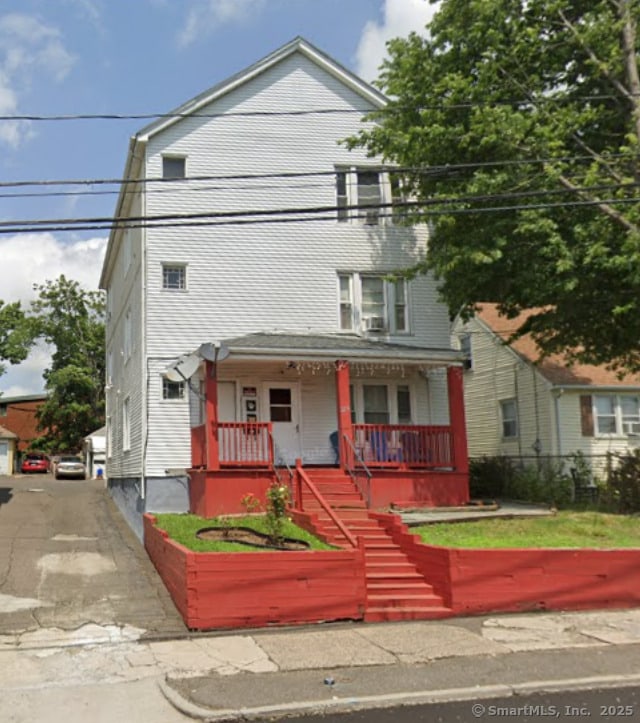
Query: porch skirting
{"x": 163, "y": 494}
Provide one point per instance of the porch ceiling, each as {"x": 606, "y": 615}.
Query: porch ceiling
{"x": 318, "y": 347}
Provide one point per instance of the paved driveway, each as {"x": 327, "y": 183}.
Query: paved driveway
{"x": 67, "y": 558}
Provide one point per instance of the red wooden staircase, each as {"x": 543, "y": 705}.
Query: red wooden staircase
{"x": 396, "y": 590}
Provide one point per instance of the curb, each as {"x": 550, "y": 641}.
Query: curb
{"x": 344, "y": 705}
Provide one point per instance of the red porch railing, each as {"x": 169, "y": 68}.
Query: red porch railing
{"x": 240, "y": 444}
{"x": 404, "y": 445}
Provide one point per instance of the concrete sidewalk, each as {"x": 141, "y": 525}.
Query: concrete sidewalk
{"x": 229, "y": 676}
{"x": 355, "y": 666}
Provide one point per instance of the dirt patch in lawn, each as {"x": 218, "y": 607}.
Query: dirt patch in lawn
{"x": 247, "y": 536}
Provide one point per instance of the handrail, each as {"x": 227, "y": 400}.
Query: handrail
{"x": 314, "y": 491}
{"x": 353, "y": 473}
{"x": 277, "y": 457}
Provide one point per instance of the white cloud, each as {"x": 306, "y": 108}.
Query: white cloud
{"x": 400, "y": 17}
{"x": 206, "y": 15}
{"x": 33, "y": 259}
{"x": 28, "y": 48}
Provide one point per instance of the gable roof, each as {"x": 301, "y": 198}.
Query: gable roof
{"x": 297, "y": 45}
{"x": 555, "y": 368}
{"x": 7, "y": 434}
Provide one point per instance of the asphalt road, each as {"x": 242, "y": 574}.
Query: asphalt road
{"x": 610, "y": 704}
{"x": 67, "y": 559}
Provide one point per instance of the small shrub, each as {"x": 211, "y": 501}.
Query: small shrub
{"x": 622, "y": 490}
{"x": 276, "y": 516}
{"x": 500, "y": 477}
{"x": 251, "y": 503}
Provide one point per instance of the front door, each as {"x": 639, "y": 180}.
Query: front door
{"x": 282, "y": 410}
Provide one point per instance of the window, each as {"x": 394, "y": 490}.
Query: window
{"x": 630, "y": 408}
{"x": 346, "y": 302}
{"x": 126, "y": 425}
{"x": 362, "y": 193}
{"x": 372, "y": 303}
{"x": 465, "y": 348}
{"x": 172, "y": 390}
{"x": 509, "y": 414}
{"x": 174, "y": 277}
{"x": 128, "y": 336}
{"x": 403, "y": 397}
{"x": 375, "y": 403}
{"x": 615, "y": 414}
{"x": 3, "y": 409}
{"x": 605, "y": 408}
{"x": 174, "y": 166}
{"x": 280, "y": 404}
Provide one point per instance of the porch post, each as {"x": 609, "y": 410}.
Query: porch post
{"x": 455, "y": 390}
{"x": 211, "y": 415}
{"x": 343, "y": 398}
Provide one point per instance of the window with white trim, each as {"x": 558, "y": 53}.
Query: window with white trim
{"x": 369, "y": 188}
{"x": 381, "y": 402}
{"x": 172, "y": 390}
{"x": 174, "y": 277}
{"x": 126, "y": 425}
{"x": 616, "y": 414}
{"x": 128, "y": 336}
{"x": 509, "y": 417}
{"x": 174, "y": 166}
{"x": 372, "y": 303}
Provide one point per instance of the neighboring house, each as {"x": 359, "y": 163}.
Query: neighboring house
{"x": 308, "y": 343}
{"x": 18, "y": 415}
{"x": 524, "y": 406}
{"x": 8, "y": 448}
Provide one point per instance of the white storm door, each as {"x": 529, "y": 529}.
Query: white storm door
{"x": 227, "y": 402}
{"x": 282, "y": 410}
{"x": 4, "y": 457}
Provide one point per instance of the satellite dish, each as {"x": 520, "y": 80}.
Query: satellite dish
{"x": 183, "y": 369}
{"x": 213, "y": 352}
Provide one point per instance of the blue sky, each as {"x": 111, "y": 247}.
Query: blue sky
{"x": 128, "y": 57}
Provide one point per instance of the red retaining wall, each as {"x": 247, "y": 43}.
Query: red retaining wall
{"x": 249, "y": 589}
{"x": 483, "y": 581}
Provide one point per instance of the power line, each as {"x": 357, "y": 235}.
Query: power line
{"x": 280, "y": 216}
{"x": 409, "y": 170}
{"x": 390, "y": 108}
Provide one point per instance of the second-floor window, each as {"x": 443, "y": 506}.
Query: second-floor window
{"x": 361, "y": 195}
{"x": 373, "y": 304}
{"x": 128, "y": 336}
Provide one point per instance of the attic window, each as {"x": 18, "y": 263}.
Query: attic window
{"x": 174, "y": 166}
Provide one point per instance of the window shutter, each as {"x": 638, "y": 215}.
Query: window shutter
{"x": 586, "y": 415}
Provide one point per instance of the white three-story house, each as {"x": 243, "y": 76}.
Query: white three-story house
{"x": 252, "y": 318}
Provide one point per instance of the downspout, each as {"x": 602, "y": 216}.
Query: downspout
{"x": 143, "y": 318}
{"x": 557, "y": 393}
{"x": 517, "y": 395}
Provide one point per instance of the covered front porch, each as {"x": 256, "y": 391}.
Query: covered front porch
{"x": 359, "y": 406}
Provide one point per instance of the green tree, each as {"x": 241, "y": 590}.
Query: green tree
{"x": 516, "y": 127}
{"x": 71, "y": 320}
{"x": 16, "y": 335}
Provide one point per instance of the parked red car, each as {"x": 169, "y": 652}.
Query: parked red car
{"x": 35, "y": 463}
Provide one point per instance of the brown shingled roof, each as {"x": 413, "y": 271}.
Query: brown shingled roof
{"x": 555, "y": 367}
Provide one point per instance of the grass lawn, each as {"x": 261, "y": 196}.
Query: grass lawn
{"x": 183, "y": 529}
{"x": 564, "y": 529}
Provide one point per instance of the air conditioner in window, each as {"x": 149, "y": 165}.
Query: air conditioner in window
{"x": 374, "y": 323}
